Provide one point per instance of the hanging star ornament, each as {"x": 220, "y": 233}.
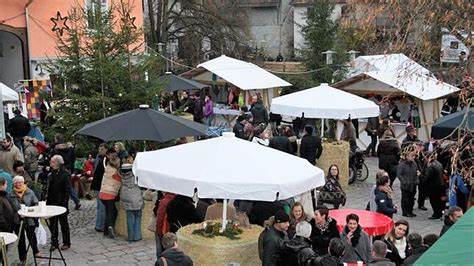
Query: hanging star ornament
{"x": 59, "y": 23}
{"x": 129, "y": 19}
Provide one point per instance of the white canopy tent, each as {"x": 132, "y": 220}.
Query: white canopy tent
{"x": 8, "y": 94}
{"x": 208, "y": 166}
{"x": 244, "y": 75}
{"x": 324, "y": 102}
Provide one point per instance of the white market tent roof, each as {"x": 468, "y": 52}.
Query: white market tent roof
{"x": 210, "y": 166}
{"x": 324, "y": 102}
{"x": 8, "y": 94}
{"x": 399, "y": 72}
{"x": 244, "y": 75}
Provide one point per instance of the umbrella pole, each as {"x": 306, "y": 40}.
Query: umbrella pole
{"x": 322, "y": 127}
{"x": 224, "y": 214}
{"x": 144, "y": 145}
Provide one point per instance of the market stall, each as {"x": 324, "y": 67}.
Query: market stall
{"x": 325, "y": 102}
{"x": 228, "y": 77}
{"x": 397, "y": 83}
{"x": 210, "y": 170}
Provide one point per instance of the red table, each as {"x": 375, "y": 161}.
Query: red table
{"x": 373, "y": 223}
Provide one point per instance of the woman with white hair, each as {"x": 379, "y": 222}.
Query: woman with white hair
{"x": 59, "y": 189}
{"x": 298, "y": 250}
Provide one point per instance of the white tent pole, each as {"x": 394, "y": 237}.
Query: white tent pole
{"x": 224, "y": 214}
{"x": 322, "y": 127}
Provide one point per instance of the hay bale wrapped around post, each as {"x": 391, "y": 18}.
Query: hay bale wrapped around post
{"x": 336, "y": 153}
{"x": 220, "y": 250}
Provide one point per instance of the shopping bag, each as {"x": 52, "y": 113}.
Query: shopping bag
{"x": 40, "y": 235}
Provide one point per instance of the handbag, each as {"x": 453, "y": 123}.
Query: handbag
{"x": 152, "y": 223}
{"x": 332, "y": 197}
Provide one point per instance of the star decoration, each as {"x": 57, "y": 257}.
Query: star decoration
{"x": 131, "y": 20}
{"x": 59, "y": 23}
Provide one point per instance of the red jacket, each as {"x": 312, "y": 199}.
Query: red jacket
{"x": 88, "y": 168}
{"x": 161, "y": 219}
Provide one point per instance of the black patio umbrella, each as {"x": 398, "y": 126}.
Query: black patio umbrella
{"x": 447, "y": 124}
{"x": 176, "y": 83}
{"x": 143, "y": 124}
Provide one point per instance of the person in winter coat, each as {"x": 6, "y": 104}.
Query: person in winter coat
{"x": 379, "y": 251}
{"x": 384, "y": 127}
{"x": 415, "y": 241}
{"x": 435, "y": 185}
{"x": 162, "y": 225}
{"x": 121, "y": 151}
{"x": 408, "y": 173}
{"x": 98, "y": 174}
{"x": 23, "y": 195}
{"x": 18, "y": 128}
{"x": 454, "y": 214}
{"x": 132, "y": 200}
{"x": 372, "y": 129}
{"x": 8, "y": 178}
{"x": 259, "y": 112}
{"x": 19, "y": 169}
{"x": 198, "y": 113}
{"x": 172, "y": 256}
{"x": 239, "y": 127}
{"x": 111, "y": 183}
{"x": 67, "y": 152}
{"x": 281, "y": 142}
{"x": 410, "y": 138}
{"x": 310, "y": 147}
{"x": 396, "y": 241}
{"x": 458, "y": 191}
{"x": 297, "y": 215}
{"x": 273, "y": 239}
{"x": 349, "y": 134}
{"x": 334, "y": 254}
{"x": 208, "y": 110}
{"x": 9, "y": 220}
{"x": 181, "y": 212}
{"x": 59, "y": 189}
{"x": 297, "y": 250}
{"x": 389, "y": 153}
{"x": 384, "y": 195}
{"x": 332, "y": 189}
{"x": 324, "y": 228}
{"x": 357, "y": 241}
{"x": 31, "y": 156}
{"x": 9, "y": 154}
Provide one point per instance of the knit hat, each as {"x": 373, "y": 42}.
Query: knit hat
{"x": 281, "y": 217}
{"x": 18, "y": 178}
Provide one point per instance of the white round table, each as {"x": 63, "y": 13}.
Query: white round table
{"x": 45, "y": 213}
{"x": 8, "y": 238}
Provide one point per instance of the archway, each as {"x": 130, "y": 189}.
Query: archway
{"x": 13, "y": 56}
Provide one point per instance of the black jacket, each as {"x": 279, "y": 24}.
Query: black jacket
{"x": 174, "y": 257}
{"x": 327, "y": 260}
{"x": 273, "y": 241}
{"x": 447, "y": 224}
{"x": 384, "y": 203}
{"x": 409, "y": 140}
{"x": 19, "y": 126}
{"x": 434, "y": 178}
{"x": 392, "y": 252}
{"x": 9, "y": 218}
{"x": 198, "y": 113}
{"x": 181, "y": 212}
{"x": 259, "y": 113}
{"x": 320, "y": 239}
{"x": 281, "y": 143}
{"x": 66, "y": 150}
{"x": 415, "y": 255}
{"x": 239, "y": 130}
{"x": 59, "y": 188}
{"x": 372, "y": 127}
{"x": 263, "y": 210}
{"x": 98, "y": 173}
{"x": 406, "y": 173}
{"x": 389, "y": 153}
{"x": 311, "y": 148}
{"x": 298, "y": 251}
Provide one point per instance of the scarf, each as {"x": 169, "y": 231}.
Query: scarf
{"x": 324, "y": 226}
{"x": 355, "y": 236}
{"x": 20, "y": 191}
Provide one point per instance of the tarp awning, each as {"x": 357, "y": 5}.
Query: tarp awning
{"x": 8, "y": 94}
{"x": 244, "y": 75}
{"x": 455, "y": 247}
{"x": 324, "y": 102}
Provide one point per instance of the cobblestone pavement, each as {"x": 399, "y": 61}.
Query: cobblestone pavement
{"x": 92, "y": 248}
